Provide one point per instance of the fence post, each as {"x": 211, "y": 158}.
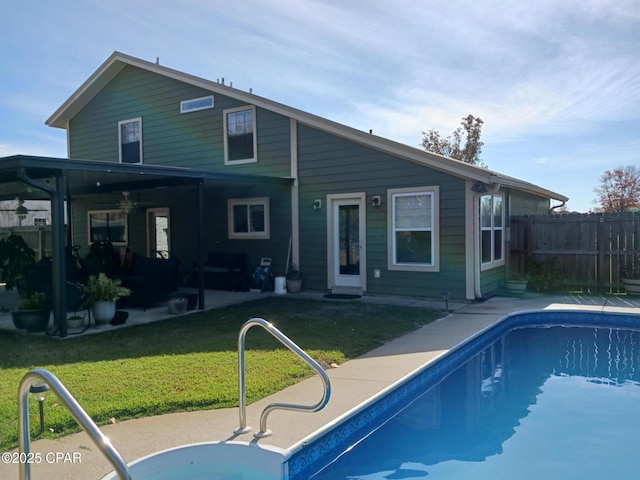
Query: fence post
{"x": 601, "y": 255}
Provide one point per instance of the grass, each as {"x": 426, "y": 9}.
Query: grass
{"x": 189, "y": 363}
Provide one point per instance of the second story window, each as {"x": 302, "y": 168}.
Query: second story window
{"x": 130, "y": 139}
{"x": 240, "y": 142}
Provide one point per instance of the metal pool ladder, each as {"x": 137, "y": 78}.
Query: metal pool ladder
{"x": 287, "y": 342}
{"x": 24, "y": 438}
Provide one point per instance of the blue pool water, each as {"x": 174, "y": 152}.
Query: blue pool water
{"x": 529, "y": 399}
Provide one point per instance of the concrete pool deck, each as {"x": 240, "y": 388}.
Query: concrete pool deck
{"x": 352, "y": 383}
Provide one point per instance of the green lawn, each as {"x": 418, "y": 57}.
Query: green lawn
{"x": 190, "y": 363}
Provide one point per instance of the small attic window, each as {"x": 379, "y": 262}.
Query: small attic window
{"x": 195, "y": 104}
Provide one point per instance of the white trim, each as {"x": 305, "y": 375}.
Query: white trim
{"x": 254, "y": 126}
{"x": 232, "y": 202}
{"x": 122, "y": 122}
{"x": 356, "y": 198}
{"x": 434, "y": 192}
{"x": 68, "y": 131}
{"x": 470, "y": 240}
{"x": 295, "y": 192}
{"x": 184, "y": 104}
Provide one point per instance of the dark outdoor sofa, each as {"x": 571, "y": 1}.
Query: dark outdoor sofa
{"x": 39, "y": 278}
{"x": 223, "y": 271}
{"x": 150, "y": 281}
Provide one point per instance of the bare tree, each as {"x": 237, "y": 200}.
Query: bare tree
{"x": 452, "y": 147}
{"x": 619, "y": 189}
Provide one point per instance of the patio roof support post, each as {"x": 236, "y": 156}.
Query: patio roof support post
{"x": 69, "y": 230}
{"x": 200, "y": 226}
{"x": 59, "y": 257}
{"x": 59, "y": 279}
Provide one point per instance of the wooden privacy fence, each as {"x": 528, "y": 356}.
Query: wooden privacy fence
{"x": 38, "y": 238}
{"x": 591, "y": 250}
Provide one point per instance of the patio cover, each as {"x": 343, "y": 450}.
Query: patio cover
{"x": 59, "y": 179}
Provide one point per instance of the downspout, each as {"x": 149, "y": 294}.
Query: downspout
{"x": 59, "y": 274}
{"x": 477, "y": 263}
{"x": 551, "y": 210}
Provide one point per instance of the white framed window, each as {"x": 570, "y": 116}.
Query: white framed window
{"x": 130, "y": 140}
{"x": 414, "y": 229}
{"x": 492, "y": 230}
{"x": 195, "y": 104}
{"x": 248, "y": 218}
{"x": 240, "y": 139}
{"x": 107, "y": 225}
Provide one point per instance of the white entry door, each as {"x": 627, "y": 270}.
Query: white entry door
{"x": 347, "y": 242}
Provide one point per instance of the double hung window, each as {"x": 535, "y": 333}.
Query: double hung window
{"x": 491, "y": 230}
{"x": 240, "y": 141}
{"x": 413, "y": 236}
{"x": 130, "y": 140}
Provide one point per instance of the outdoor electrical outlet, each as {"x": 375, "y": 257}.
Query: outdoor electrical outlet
{"x": 376, "y": 273}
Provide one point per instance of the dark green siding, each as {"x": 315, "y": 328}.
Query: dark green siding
{"x": 192, "y": 140}
{"x": 524, "y": 204}
{"x": 330, "y": 165}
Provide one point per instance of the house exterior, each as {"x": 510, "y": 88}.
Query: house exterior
{"x": 356, "y": 212}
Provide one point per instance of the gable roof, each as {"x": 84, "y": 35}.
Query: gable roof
{"x": 117, "y": 61}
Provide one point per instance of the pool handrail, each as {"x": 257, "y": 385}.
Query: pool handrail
{"x": 24, "y": 437}
{"x": 242, "y": 393}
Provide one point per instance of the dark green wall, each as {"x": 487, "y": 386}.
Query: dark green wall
{"x": 192, "y": 140}
{"x": 330, "y": 165}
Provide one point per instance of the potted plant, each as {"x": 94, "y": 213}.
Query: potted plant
{"x": 35, "y": 311}
{"x": 101, "y": 292}
{"x": 177, "y": 303}
{"x": 15, "y": 258}
{"x": 631, "y": 278}
{"x": 516, "y": 284}
{"x": 75, "y": 320}
{"x": 294, "y": 279}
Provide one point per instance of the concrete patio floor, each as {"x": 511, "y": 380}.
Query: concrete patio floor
{"x": 353, "y": 383}
{"x": 213, "y": 299}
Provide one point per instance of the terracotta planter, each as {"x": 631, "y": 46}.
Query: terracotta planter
{"x": 631, "y": 285}
{"x": 515, "y": 287}
{"x": 177, "y": 303}
{"x": 76, "y": 321}
{"x": 294, "y": 286}
{"x": 103, "y": 311}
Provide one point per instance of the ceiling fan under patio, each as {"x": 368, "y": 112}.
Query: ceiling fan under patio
{"x": 126, "y": 204}
{"x": 21, "y": 211}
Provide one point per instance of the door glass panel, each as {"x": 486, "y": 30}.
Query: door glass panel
{"x": 349, "y": 239}
{"x": 158, "y": 223}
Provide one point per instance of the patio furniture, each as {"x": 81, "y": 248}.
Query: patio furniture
{"x": 223, "y": 271}
{"x": 150, "y": 281}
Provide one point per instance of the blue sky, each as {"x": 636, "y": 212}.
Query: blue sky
{"x": 557, "y": 83}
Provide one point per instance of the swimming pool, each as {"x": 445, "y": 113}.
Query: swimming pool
{"x": 551, "y": 394}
